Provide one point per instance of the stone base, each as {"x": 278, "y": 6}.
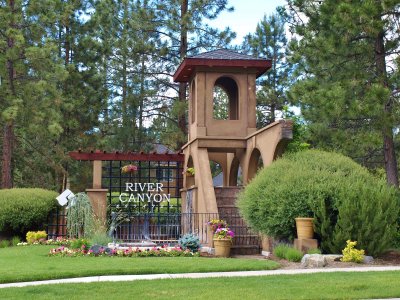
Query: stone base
{"x": 265, "y": 253}
{"x": 304, "y": 245}
{"x": 207, "y": 250}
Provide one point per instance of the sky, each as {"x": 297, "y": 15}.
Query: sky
{"x": 247, "y": 14}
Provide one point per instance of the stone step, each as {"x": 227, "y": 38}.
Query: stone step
{"x": 226, "y": 201}
{"x": 245, "y": 241}
{"x": 229, "y": 211}
{"x": 226, "y": 191}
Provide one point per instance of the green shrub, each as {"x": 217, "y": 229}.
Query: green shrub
{"x": 314, "y": 251}
{"x": 4, "y": 243}
{"x": 280, "y": 250}
{"x": 397, "y": 240}
{"x": 78, "y": 243}
{"x": 100, "y": 238}
{"x": 287, "y": 252}
{"x": 345, "y": 199}
{"x": 294, "y": 255}
{"x": 15, "y": 241}
{"x": 25, "y": 209}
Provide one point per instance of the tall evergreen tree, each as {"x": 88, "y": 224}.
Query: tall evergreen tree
{"x": 183, "y": 23}
{"x": 30, "y": 75}
{"x": 127, "y": 34}
{"x": 347, "y": 53}
{"x": 269, "y": 41}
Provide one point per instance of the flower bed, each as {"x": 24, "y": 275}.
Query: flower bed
{"x": 130, "y": 252}
{"x": 56, "y": 242}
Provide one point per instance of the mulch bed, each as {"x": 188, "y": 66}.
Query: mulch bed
{"x": 389, "y": 258}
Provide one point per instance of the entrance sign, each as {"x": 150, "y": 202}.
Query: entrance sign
{"x": 145, "y": 192}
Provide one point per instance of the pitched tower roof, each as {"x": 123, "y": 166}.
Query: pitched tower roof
{"x": 220, "y": 58}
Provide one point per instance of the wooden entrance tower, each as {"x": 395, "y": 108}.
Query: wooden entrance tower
{"x": 231, "y": 142}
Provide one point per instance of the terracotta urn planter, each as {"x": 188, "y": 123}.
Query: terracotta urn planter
{"x": 222, "y": 247}
{"x": 305, "y": 229}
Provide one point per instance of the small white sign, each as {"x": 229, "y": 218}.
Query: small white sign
{"x": 64, "y": 197}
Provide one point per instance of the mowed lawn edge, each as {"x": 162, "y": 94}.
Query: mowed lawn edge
{"x": 338, "y": 285}
{"x": 31, "y": 263}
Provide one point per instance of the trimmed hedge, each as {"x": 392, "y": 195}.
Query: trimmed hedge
{"x": 348, "y": 202}
{"x": 26, "y": 209}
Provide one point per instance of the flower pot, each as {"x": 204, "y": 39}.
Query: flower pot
{"x": 222, "y": 247}
{"x": 305, "y": 229}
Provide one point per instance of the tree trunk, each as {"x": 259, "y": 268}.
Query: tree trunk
{"x": 141, "y": 102}
{"x": 387, "y": 131}
{"x": 183, "y": 52}
{"x": 8, "y": 136}
{"x": 125, "y": 105}
{"x": 67, "y": 45}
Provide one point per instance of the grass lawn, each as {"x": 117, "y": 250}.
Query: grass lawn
{"x": 311, "y": 286}
{"x": 32, "y": 263}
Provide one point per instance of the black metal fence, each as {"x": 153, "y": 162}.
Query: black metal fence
{"x": 161, "y": 228}
{"x": 57, "y": 223}
{"x": 167, "y": 228}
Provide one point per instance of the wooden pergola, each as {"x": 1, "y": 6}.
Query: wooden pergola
{"x": 97, "y": 194}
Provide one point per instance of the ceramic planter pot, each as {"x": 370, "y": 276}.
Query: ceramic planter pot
{"x": 305, "y": 229}
{"x": 222, "y": 247}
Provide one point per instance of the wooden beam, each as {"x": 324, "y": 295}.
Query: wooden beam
{"x": 77, "y": 155}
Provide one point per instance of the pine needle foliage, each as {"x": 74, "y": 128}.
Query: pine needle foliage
{"x": 348, "y": 202}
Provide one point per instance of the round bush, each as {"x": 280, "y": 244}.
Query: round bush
{"x": 347, "y": 202}
{"x": 25, "y": 209}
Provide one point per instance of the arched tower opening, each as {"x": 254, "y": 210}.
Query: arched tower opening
{"x": 225, "y": 99}
{"x": 255, "y": 164}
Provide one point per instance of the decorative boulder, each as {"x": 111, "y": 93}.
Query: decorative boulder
{"x": 330, "y": 258}
{"x": 313, "y": 261}
{"x": 368, "y": 259}
{"x": 97, "y": 249}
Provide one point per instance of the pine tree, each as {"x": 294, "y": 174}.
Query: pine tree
{"x": 269, "y": 41}
{"x": 127, "y": 33}
{"x": 183, "y": 25}
{"x": 30, "y": 98}
{"x": 347, "y": 54}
